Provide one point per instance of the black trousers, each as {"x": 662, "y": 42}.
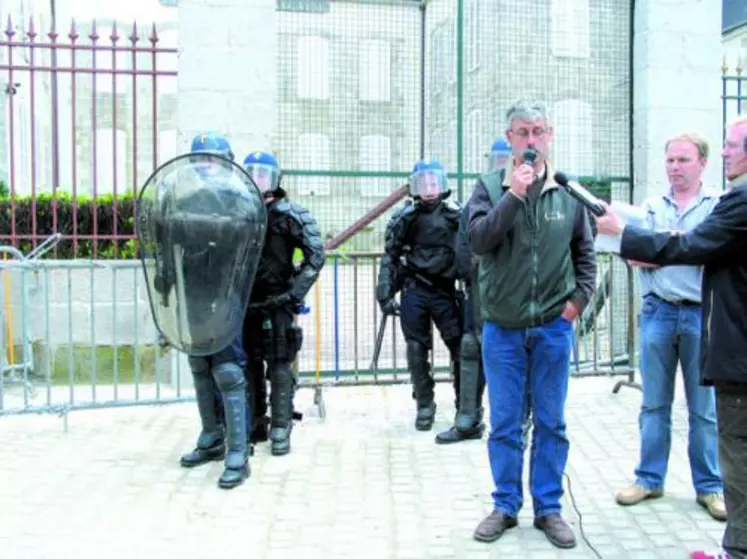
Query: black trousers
{"x": 731, "y": 406}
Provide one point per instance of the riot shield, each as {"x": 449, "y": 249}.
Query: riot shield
{"x": 200, "y": 224}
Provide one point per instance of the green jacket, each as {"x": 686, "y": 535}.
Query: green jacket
{"x": 534, "y": 254}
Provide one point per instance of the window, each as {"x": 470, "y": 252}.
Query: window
{"x": 313, "y": 67}
{"x": 439, "y": 58}
{"x": 166, "y": 145}
{"x": 375, "y": 71}
{"x": 375, "y": 154}
{"x": 475, "y": 150}
{"x": 451, "y": 52}
{"x": 313, "y": 155}
{"x": 166, "y": 61}
{"x": 570, "y": 25}
{"x": 574, "y": 141}
{"x": 111, "y": 161}
{"x": 472, "y": 32}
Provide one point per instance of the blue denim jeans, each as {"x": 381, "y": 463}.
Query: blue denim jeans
{"x": 538, "y": 360}
{"x": 671, "y": 333}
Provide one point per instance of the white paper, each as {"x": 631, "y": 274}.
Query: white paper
{"x": 629, "y": 215}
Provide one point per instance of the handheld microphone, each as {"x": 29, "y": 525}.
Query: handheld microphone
{"x": 529, "y": 156}
{"x": 592, "y": 203}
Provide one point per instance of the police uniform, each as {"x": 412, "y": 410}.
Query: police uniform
{"x": 419, "y": 260}
{"x": 468, "y": 422}
{"x": 208, "y": 252}
{"x": 270, "y": 334}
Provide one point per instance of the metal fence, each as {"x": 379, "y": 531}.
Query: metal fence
{"x": 78, "y": 334}
{"x": 90, "y": 113}
{"x": 364, "y": 90}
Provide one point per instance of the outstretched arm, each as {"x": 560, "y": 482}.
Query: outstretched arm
{"x": 721, "y": 234}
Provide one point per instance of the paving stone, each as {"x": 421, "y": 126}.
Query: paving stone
{"x": 363, "y": 481}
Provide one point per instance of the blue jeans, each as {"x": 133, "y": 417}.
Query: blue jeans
{"x": 516, "y": 360}
{"x": 670, "y": 333}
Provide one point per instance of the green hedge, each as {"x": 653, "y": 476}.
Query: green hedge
{"x": 103, "y": 208}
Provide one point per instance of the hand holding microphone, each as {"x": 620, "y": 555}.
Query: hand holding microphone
{"x": 523, "y": 175}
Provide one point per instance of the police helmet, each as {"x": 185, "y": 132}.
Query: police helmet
{"x": 208, "y": 142}
{"x": 428, "y": 181}
{"x": 500, "y": 152}
{"x": 264, "y": 169}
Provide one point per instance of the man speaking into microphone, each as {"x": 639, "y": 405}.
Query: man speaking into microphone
{"x": 537, "y": 271}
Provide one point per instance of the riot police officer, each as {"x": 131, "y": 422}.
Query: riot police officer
{"x": 468, "y": 423}
{"x": 270, "y": 334}
{"x": 419, "y": 260}
{"x": 218, "y": 375}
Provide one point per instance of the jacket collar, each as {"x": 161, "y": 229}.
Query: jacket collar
{"x": 739, "y": 181}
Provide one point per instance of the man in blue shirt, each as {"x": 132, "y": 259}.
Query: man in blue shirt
{"x": 670, "y": 333}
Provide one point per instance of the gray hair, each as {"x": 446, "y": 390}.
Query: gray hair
{"x": 523, "y": 109}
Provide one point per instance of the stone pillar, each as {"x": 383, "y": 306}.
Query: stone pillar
{"x": 228, "y": 72}
{"x": 227, "y": 82}
{"x": 677, "y": 85}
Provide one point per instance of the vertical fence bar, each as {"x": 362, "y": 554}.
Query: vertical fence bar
{"x": 92, "y": 302}
{"x": 114, "y": 37}
{"x": 70, "y": 355}
{"x": 115, "y": 344}
{"x": 55, "y": 114}
{"x": 375, "y": 321}
{"x": 10, "y": 33}
{"x": 134, "y": 38}
{"x": 94, "y": 36}
{"x": 55, "y": 122}
{"x": 136, "y": 331}
{"x": 31, "y": 35}
{"x": 73, "y": 36}
{"x": 355, "y": 318}
{"x": 423, "y": 49}
{"x": 460, "y": 98}
{"x": 47, "y": 338}
{"x": 336, "y": 314}
{"x": 154, "y": 42}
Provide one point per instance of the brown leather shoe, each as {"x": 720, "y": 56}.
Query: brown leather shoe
{"x": 556, "y": 530}
{"x": 493, "y": 526}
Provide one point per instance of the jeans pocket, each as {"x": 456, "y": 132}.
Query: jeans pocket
{"x": 649, "y": 305}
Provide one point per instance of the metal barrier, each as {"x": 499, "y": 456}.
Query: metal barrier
{"x": 87, "y": 339}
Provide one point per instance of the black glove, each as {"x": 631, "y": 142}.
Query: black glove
{"x": 390, "y": 306}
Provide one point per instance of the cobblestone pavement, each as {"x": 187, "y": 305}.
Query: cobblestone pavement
{"x": 361, "y": 483}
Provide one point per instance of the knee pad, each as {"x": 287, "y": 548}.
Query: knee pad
{"x": 469, "y": 347}
{"x": 229, "y": 376}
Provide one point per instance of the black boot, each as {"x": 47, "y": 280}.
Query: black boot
{"x": 456, "y": 435}
{"x": 422, "y": 385}
{"x": 282, "y": 390}
{"x": 230, "y": 379}
{"x": 210, "y": 444}
{"x": 468, "y": 423}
